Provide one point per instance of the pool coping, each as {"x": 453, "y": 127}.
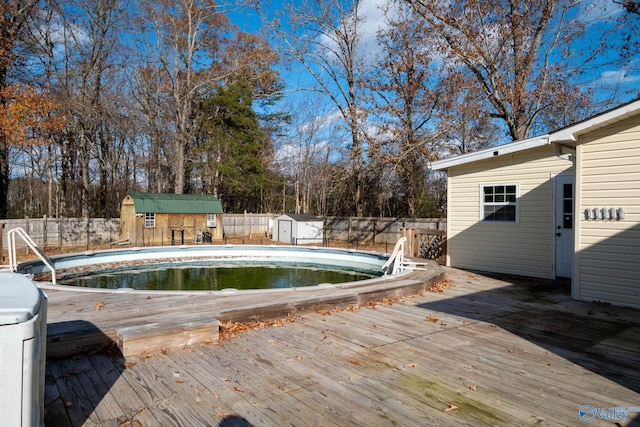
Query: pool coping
{"x": 175, "y": 321}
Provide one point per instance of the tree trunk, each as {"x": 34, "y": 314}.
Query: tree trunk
{"x": 4, "y": 153}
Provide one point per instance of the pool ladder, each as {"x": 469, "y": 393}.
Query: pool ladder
{"x": 398, "y": 260}
{"x": 13, "y": 260}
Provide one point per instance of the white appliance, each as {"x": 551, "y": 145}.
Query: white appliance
{"x": 23, "y": 337}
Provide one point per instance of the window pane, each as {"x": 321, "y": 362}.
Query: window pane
{"x": 149, "y": 220}
{"x": 568, "y": 206}
{"x": 506, "y": 213}
{"x": 489, "y": 212}
{"x": 567, "y": 221}
{"x": 567, "y": 190}
{"x": 499, "y": 203}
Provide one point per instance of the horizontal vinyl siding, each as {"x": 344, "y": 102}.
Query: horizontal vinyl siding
{"x": 608, "y": 259}
{"x": 524, "y": 248}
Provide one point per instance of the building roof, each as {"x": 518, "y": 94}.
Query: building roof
{"x": 303, "y": 217}
{"x": 176, "y": 203}
{"x": 566, "y": 136}
{"x": 512, "y": 147}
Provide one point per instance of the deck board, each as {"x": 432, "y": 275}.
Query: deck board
{"x": 500, "y": 354}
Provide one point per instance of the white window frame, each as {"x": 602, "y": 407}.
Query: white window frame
{"x": 501, "y": 203}
{"x": 150, "y": 220}
{"x": 211, "y": 221}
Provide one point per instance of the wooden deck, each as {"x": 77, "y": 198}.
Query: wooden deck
{"x": 486, "y": 351}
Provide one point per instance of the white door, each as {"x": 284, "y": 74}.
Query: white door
{"x": 565, "y": 213}
{"x": 284, "y": 231}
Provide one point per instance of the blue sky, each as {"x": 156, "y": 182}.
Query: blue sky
{"x": 596, "y": 14}
{"x": 612, "y": 82}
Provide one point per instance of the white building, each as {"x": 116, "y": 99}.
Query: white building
{"x": 298, "y": 229}
{"x": 565, "y": 204}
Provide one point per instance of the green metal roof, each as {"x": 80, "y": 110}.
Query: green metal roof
{"x": 176, "y": 203}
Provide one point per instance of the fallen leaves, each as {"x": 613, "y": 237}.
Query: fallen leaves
{"x": 230, "y": 329}
{"x": 411, "y": 365}
{"x": 355, "y": 362}
{"x": 71, "y": 372}
{"x": 384, "y": 301}
{"x": 134, "y": 423}
{"x": 431, "y": 318}
{"x": 439, "y": 287}
{"x": 450, "y": 408}
{"x": 472, "y": 387}
{"x": 99, "y": 306}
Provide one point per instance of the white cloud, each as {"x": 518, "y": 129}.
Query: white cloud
{"x": 617, "y": 77}
{"x": 321, "y": 123}
{"x": 371, "y": 18}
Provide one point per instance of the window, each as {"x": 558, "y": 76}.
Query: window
{"x": 567, "y": 206}
{"x": 149, "y": 220}
{"x": 211, "y": 220}
{"x": 499, "y": 203}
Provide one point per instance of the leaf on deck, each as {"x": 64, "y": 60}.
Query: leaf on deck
{"x": 440, "y": 286}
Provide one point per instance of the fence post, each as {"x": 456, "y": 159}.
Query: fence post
{"x": 60, "y": 232}
{"x": 44, "y": 233}
{"x": 374, "y": 231}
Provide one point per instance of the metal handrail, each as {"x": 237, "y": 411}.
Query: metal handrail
{"x": 13, "y": 263}
{"x": 397, "y": 257}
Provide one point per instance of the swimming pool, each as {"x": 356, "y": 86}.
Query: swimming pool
{"x": 351, "y": 264}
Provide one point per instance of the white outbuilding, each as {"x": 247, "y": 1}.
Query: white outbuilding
{"x": 564, "y": 204}
{"x": 298, "y": 229}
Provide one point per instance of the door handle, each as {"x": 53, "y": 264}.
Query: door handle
{"x": 558, "y": 234}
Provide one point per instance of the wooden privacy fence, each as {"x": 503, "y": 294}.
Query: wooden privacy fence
{"x": 61, "y": 232}
{"x": 376, "y": 230}
{"x": 426, "y": 236}
{"x": 426, "y": 244}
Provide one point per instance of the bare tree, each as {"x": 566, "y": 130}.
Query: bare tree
{"x": 519, "y": 51}
{"x": 405, "y": 90}
{"x": 463, "y": 122}
{"x": 304, "y": 152}
{"x": 323, "y": 37}
{"x": 188, "y": 36}
{"x": 13, "y": 16}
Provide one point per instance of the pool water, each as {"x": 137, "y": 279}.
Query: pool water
{"x": 202, "y": 278}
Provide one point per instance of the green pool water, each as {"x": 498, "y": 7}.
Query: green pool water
{"x": 209, "y": 278}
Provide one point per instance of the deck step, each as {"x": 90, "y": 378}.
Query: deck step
{"x": 157, "y": 336}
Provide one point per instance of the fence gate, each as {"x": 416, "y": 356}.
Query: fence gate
{"x": 426, "y": 244}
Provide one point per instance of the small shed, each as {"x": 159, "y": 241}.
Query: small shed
{"x": 564, "y": 204}
{"x": 298, "y": 229}
{"x": 170, "y": 219}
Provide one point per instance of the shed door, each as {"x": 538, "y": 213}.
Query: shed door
{"x": 564, "y": 212}
{"x": 284, "y": 231}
